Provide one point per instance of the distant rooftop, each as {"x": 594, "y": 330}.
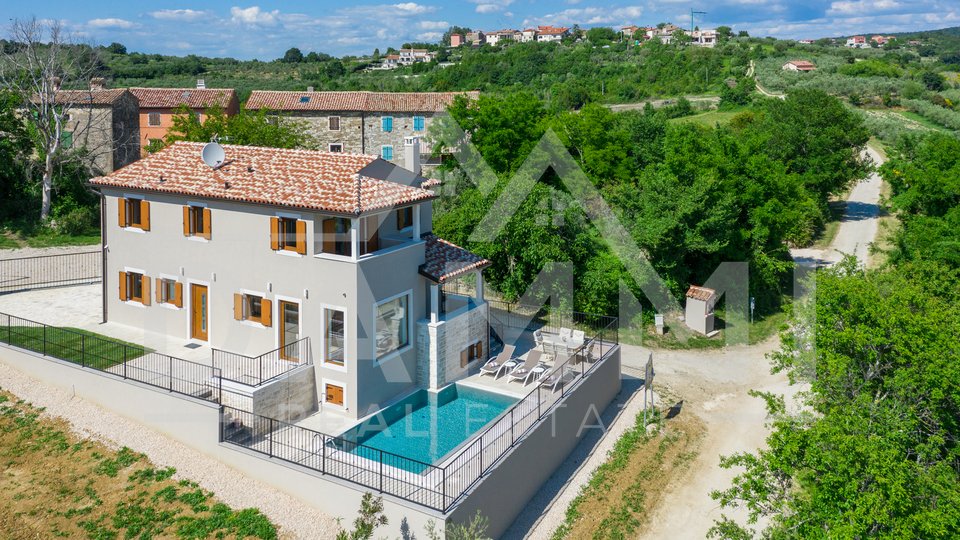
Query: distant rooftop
{"x": 353, "y": 101}
{"x": 195, "y": 98}
{"x": 88, "y": 97}
{"x": 324, "y": 181}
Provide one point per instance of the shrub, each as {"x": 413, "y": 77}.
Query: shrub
{"x": 77, "y": 221}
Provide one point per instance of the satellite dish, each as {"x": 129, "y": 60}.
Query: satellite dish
{"x": 213, "y": 155}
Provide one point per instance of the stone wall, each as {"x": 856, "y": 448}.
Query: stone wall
{"x": 439, "y": 346}
{"x": 350, "y": 134}
{"x": 111, "y": 133}
{"x": 125, "y": 120}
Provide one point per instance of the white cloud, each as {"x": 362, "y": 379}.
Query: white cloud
{"x": 433, "y": 25}
{"x": 589, "y": 15}
{"x": 429, "y": 36}
{"x": 111, "y": 23}
{"x": 491, "y": 6}
{"x": 186, "y": 15}
{"x": 855, "y": 7}
{"x": 253, "y": 16}
{"x": 413, "y": 8}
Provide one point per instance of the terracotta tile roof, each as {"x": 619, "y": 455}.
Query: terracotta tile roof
{"x": 88, "y": 97}
{"x": 195, "y": 98}
{"x": 552, "y": 30}
{"x": 445, "y": 260}
{"x": 700, "y": 293}
{"x": 297, "y": 178}
{"x": 353, "y": 101}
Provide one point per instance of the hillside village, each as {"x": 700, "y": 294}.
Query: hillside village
{"x": 555, "y": 282}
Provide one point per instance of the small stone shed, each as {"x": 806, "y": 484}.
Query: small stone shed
{"x": 699, "y": 313}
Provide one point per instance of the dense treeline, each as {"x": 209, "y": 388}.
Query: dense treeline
{"x": 877, "y": 455}
{"x": 691, "y": 197}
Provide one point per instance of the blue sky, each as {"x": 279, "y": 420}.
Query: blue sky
{"x": 265, "y": 30}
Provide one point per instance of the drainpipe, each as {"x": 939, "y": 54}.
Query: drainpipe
{"x": 363, "y": 133}
{"x": 103, "y": 251}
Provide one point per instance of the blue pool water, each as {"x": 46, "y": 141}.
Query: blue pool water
{"x": 426, "y": 426}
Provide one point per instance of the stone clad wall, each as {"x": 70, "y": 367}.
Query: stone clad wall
{"x": 439, "y": 346}
{"x": 318, "y": 126}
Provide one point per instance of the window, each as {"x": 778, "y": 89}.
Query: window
{"x": 369, "y": 234}
{"x": 335, "y": 237}
{"x": 471, "y": 353}
{"x": 387, "y": 123}
{"x": 66, "y": 139}
{"x": 153, "y": 119}
{"x": 134, "y": 287}
{"x": 418, "y": 123}
{"x": 404, "y": 218}
{"x": 333, "y": 337}
{"x": 333, "y": 123}
{"x": 386, "y": 152}
{"x": 196, "y": 221}
{"x": 169, "y": 292}
{"x": 304, "y": 99}
{"x": 134, "y": 213}
{"x": 333, "y": 394}
{"x": 336, "y": 147}
{"x": 393, "y": 332}
{"x": 288, "y": 234}
{"x": 253, "y": 308}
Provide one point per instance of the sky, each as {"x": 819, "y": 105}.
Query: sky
{"x": 265, "y": 30}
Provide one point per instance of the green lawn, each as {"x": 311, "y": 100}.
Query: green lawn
{"x": 14, "y": 237}
{"x": 72, "y": 344}
{"x": 679, "y": 336}
{"x": 708, "y": 119}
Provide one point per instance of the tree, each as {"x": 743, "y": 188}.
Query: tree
{"x": 44, "y": 62}
{"x": 370, "y": 517}
{"x": 116, "y": 48}
{"x": 724, "y": 33}
{"x": 932, "y": 80}
{"x": 462, "y": 30}
{"x": 15, "y": 149}
{"x": 293, "y": 56}
{"x": 601, "y": 34}
{"x": 743, "y": 34}
{"x": 252, "y": 128}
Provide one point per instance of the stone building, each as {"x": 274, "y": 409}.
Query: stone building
{"x": 361, "y": 122}
{"x": 158, "y": 106}
{"x": 103, "y": 121}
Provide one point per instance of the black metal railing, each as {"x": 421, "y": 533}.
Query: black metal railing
{"x": 258, "y": 370}
{"x": 126, "y": 360}
{"x": 436, "y": 487}
{"x": 24, "y": 273}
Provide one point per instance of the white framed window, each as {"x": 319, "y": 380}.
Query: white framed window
{"x": 336, "y": 147}
{"x": 386, "y": 152}
{"x": 334, "y": 336}
{"x": 392, "y": 323}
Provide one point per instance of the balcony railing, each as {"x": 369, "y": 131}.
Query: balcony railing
{"x": 258, "y": 370}
{"x": 131, "y": 362}
{"x": 434, "y": 486}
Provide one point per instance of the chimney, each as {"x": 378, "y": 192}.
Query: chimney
{"x": 411, "y": 154}
{"x": 309, "y": 89}
{"x": 201, "y": 84}
{"x": 97, "y": 84}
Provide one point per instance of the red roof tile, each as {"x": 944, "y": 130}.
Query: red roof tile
{"x": 700, "y": 293}
{"x": 88, "y": 97}
{"x": 445, "y": 260}
{"x": 353, "y": 101}
{"x": 195, "y": 98}
{"x": 297, "y": 178}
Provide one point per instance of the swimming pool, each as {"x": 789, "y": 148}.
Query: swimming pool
{"x": 426, "y": 426}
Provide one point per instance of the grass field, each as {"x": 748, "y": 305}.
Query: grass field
{"x": 56, "y": 484}
{"x": 708, "y": 119}
{"x": 72, "y": 344}
{"x": 679, "y": 337}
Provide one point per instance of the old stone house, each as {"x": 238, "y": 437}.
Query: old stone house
{"x": 104, "y": 122}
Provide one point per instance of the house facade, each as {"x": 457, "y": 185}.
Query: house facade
{"x": 551, "y": 33}
{"x": 857, "y": 42}
{"x": 159, "y": 105}
{"x": 360, "y": 122}
{"x": 799, "y": 65}
{"x": 279, "y": 245}
{"x": 704, "y": 38}
{"x": 104, "y": 121}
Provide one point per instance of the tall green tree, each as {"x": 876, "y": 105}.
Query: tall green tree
{"x": 251, "y": 128}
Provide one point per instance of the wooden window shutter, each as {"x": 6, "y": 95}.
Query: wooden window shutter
{"x": 178, "y": 294}
{"x": 123, "y": 286}
{"x": 206, "y": 223}
{"x": 145, "y": 215}
{"x": 329, "y": 235}
{"x": 266, "y": 312}
{"x": 159, "y": 293}
{"x": 238, "y": 306}
{"x": 480, "y": 350}
{"x": 145, "y": 283}
{"x": 301, "y": 237}
{"x": 373, "y": 242}
{"x": 464, "y": 357}
{"x": 186, "y": 221}
{"x": 274, "y": 233}
{"x": 122, "y": 211}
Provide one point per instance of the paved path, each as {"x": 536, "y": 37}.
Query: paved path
{"x": 858, "y": 226}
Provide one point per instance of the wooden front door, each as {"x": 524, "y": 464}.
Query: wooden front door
{"x": 289, "y": 329}
{"x": 334, "y": 394}
{"x": 199, "y": 307}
